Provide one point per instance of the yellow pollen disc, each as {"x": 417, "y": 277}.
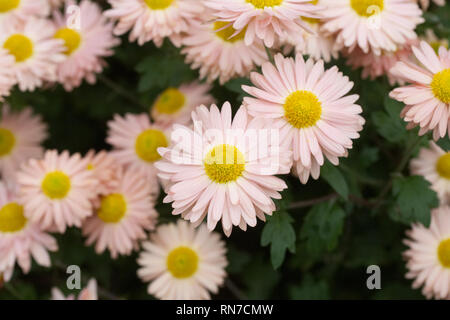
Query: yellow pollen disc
{"x": 444, "y": 253}
{"x": 8, "y": 5}
{"x": 224, "y": 163}
{"x": 90, "y": 166}
{"x": 367, "y": 8}
{"x": 182, "y": 262}
{"x": 112, "y": 208}
{"x": 443, "y": 166}
{"x": 72, "y": 39}
{"x": 56, "y": 185}
{"x": 19, "y": 46}
{"x": 12, "y": 218}
{"x": 261, "y": 4}
{"x": 302, "y": 109}
{"x": 170, "y": 101}
{"x": 441, "y": 85}
{"x": 227, "y": 33}
{"x": 7, "y": 142}
{"x": 158, "y": 4}
{"x": 147, "y": 144}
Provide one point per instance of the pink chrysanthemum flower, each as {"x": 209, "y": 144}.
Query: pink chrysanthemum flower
{"x": 20, "y": 239}
{"x": 154, "y": 20}
{"x": 428, "y": 256}
{"x": 122, "y": 216}
{"x": 426, "y": 3}
{"x": 85, "y": 47}
{"x": 105, "y": 169}
{"x": 7, "y": 79}
{"x": 57, "y": 190}
{"x": 174, "y": 105}
{"x": 372, "y": 25}
{"x": 310, "y": 103}
{"x": 36, "y": 53}
{"x": 265, "y": 19}
{"x": 21, "y": 135}
{"x": 183, "y": 263}
{"x": 88, "y": 293}
{"x": 18, "y": 11}
{"x": 219, "y": 176}
{"x": 433, "y": 164}
{"x": 219, "y": 53}
{"x": 427, "y": 99}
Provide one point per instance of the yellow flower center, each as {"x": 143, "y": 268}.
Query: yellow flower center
{"x": 224, "y": 163}
{"x": 72, "y": 39}
{"x": 19, "y": 46}
{"x": 112, "y": 208}
{"x": 90, "y": 166}
{"x": 302, "y": 109}
{"x": 8, "y": 5}
{"x": 158, "y": 4}
{"x": 226, "y": 33}
{"x": 56, "y": 185}
{"x": 367, "y": 8}
{"x": 12, "y": 218}
{"x": 444, "y": 253}
{"x": 170, "y": 101}
{"x": 182, "y": 262}
{"x": 441, "y": 85}
{"x": 261, "y": 4}
{"x": 147, "y": 144}
{"x": 443, "y": 166}
{"x": 7, "y": 141}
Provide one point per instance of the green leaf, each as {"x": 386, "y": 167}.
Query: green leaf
{"x": 389, "y": 123}
{"x": 335, "y": 178}
{"x": 310, "y": 289}
{"x": 279, "y": 233}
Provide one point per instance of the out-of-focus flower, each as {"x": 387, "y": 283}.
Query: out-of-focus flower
{"x": 16, "y": 12}
{"x": 105, "y": 169}
{"x": 7, "y": 79}
{"x": 88, "y": 293}
{"x": 434, "y": 41}
{"x": 426, "y": 3}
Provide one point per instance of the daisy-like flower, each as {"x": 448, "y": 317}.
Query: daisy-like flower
{"x": 105, "y": 169}
{"x": 434, "y": 41}
{"x": 265, "y": 19}
{"x": 372, "y": 25}
{"x": 428, "y": 256}
{"x": 88, "y": 293}
{"x": 310, "y": 103}
{"x": 219, "y": 53}
{"x": 36, "y": 53}
{"x": 21, "y": 135}
{"x": 219, "y": 176}
{"x": 20, "y": 238}
{"x": 183, "y": 263}
{"x": 426, "y": 3}
{"x": 57, "y": 190}
{"x": 18, "y": 11}
{"x": 433, "y": 164}
{"x": 174, "y": 105}
{"x": 7, "y": 80}
{"x": 122, "y": 216}
{"x": 427, "y": 99}
{"x": 86, "y": 47}
{"x": 154, "y": 20}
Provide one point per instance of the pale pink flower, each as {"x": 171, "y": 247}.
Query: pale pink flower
{"x": 20, "y": 238}
{"x": 311, "y": 105}
{"x": 88, "y": 293}
{"x": 426, "y": 3}
{"x": 174, "y": 105}
{"x": 434, "y": 41}
{"x": 57, "y": 191}
{"x": 428, "y": 255}
{"x": 154, "y": 20}
{"x": 427, "y": 99}
{"x": 183, "y": 263}
{"x": 7, "y": 79}
{"x": 219, "y": 176}
{"x": 15, "y": 12}
{"x": 105, "y": 169}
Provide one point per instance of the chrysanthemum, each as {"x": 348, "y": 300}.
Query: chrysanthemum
{"x": 122, "y": 216}
{"x": 57, "y": 190}
{"x": 219, "y": 53}
{"x": 220, "y": 175}
{"x": 310, "y": 103}
{"x": 19, "y": 11}
{"x": 434, "y": 41}
{"x": 183, "y": 263}
{"x": 88, "y": 293}
{"x": 427, "y": 99}
{"x": 86, "y": 47}
{"x": 154, "y": 20}
{"x": 428, "y": 256}
{"x": 36, "y": 53}
{"x": 105, "y": 170}
{"x": 174, "y": 105}
{"x": 21, "y": 135}
{"x": 426, "y": 3}
{"x": 372, "y": 24}
{"x": 20, "y": 238}
{"x": 265, "y": 19}
{"x": 7, "y": 80}
{"x": 433, "y": 163}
